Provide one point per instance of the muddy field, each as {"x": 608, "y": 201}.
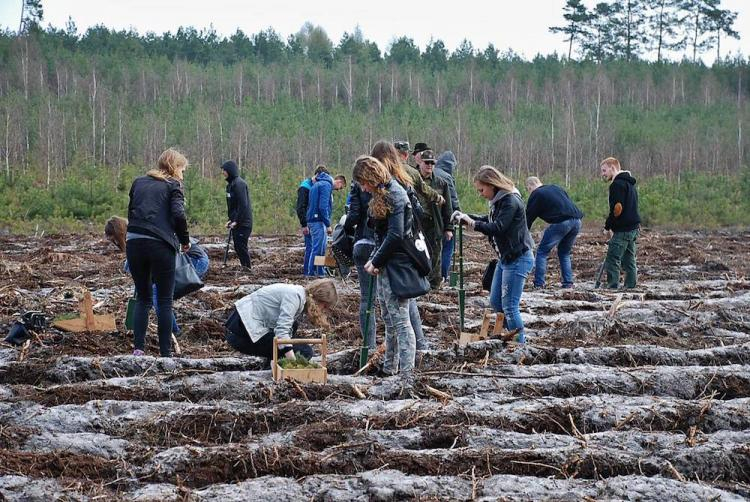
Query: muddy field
{"x": 639, "y": 395}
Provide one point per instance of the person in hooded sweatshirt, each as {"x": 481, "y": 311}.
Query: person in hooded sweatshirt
{"x": 623, "y": 222}
{"x": 444, "y": 167}
{"x": 319, "y": 212}
{"x": 303, "y": 198}
{"x": 239, "y": 211}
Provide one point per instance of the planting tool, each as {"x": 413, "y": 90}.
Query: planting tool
{"x": 226, "y": 249}
{"x": 303, "y": 375}
{"x": 598, "y": 281}
{"x": 461, "y": 291}
{"x": 453, "y": 281}
{"x": 364, "y": 352}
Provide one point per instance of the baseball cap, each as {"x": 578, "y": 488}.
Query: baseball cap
{"x": 402, "y": 146}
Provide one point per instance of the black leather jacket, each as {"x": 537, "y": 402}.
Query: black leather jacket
{"x": 157, "y": 208}
{"x": 506, "y": 227}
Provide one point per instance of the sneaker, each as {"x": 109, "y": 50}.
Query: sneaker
{"x": 138, "y": 352}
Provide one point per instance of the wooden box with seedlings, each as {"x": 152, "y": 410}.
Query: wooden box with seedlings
{"x": 300, "y": 369}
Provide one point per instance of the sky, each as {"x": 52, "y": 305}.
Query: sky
{"x": 521, "y": 25}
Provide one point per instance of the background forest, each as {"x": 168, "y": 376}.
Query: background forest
{"x": 81, "y": 114}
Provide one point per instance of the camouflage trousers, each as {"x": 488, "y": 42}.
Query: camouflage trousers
{"x": 400, "y": 342}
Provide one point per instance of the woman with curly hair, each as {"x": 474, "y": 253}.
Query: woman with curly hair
{"x": 274, "y": 311}
{"x": 387, "y": 154}
{"x": 390, "y": 212}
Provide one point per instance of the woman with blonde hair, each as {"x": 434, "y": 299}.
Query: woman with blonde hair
{"x": 391, "y": 214}
{"x": 506, "y": 229}
{"x": 274, "y": 311}
{"x": 157, "y": 230}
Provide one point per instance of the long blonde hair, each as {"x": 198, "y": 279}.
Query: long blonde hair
{"x": 491, "y": 176}
{"x": 317, "y": 292}
{"x": 371, "y": 171}
{"x": 171, "y": 163}
{"x": 115, "y": 229}
{"x": 387, "y": 154}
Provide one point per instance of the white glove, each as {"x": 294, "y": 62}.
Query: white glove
{"x": 469, "y": 222}
{"x": 457, "y": 216}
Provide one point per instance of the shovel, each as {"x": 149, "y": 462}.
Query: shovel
{"x": 364, "y": 352}
{"x": 600, "y": 272}
{"x": 461, "y": 291}
{"x": 454, "y": 273}
{"x": 226, "y": 249}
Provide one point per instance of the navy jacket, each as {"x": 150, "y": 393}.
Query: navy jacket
{"x": 552, "y": 204}
{"x": 320, "y": 204}
{"x": 157, "y": 208}
{"x": 506, "y": 226}
{"x": 303, "y": 196}
{"x": 239, "y": 205}
{"x": 623, "y": 204}
{"x": 359, "y": 201}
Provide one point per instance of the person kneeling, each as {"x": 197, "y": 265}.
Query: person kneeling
{"x": 274, "y": 311}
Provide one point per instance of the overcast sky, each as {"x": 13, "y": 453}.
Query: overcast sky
{"x": 521, "y": 25}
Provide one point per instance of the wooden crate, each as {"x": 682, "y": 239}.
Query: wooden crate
{"x": 497, "y": 330}
{"x": 305, "y": 375}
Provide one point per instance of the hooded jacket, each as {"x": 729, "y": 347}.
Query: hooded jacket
{"x": 239, "y": 206}
{"x": 444, "y": 168}
{"x": 320, "y": 203}
{"x": 272, "y": 308}
{"x": 506, "y": 226}
{"x": 623, "y": 204}
{"x": 303, "y": 197}
{"x": 157, "y": 208}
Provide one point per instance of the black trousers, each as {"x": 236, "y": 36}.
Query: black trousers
{"x": 152, "y": 262}
{"x": 237, "y": 336}
{"x": 241, "y": 236}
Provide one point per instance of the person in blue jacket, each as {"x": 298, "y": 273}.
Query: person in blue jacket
{"x": 303, "y": 200}
{"x": 319, "y": 213}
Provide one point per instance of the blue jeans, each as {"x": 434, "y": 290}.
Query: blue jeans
{"x": 307, "y": 265}
{"x": 563, "y": 235}
{"x": 507, "y": 287}
{"x": 445, "y": 264}
{"x": 317, "y": 246}
{"x": 201, "y": 267}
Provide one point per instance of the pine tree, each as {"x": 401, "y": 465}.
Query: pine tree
{"x": 577, "y": 15}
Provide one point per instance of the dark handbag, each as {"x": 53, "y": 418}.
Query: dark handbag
{"x": 415, "y": 245}
{"x": 404, "y": 278}
{"x": 186, "y": 279}
{"x": 342, "y": 245}
{"x": 488, "y": 275}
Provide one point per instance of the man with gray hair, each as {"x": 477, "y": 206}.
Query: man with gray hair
{"x": 553, "y": 205}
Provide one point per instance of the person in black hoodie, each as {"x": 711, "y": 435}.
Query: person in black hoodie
{"x": 157, "y": 230}
{"x": 239, "y": 211}
{"x": 623, "y": 222}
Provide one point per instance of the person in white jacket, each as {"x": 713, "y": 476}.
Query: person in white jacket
{"x": 274, "y": 311}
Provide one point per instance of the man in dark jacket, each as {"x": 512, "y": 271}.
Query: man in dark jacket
{"x": 303, "y": 197}
{"x": 436, "y": 220}
{"x": 444, "y": 168}
{"x": 552, "y": 204}
{"x": 623, "y": 222}
{"x": 239, "y": 211}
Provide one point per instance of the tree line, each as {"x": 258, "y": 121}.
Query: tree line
{"x": 628, "y": 29}
{"x": 112, "y": 99}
